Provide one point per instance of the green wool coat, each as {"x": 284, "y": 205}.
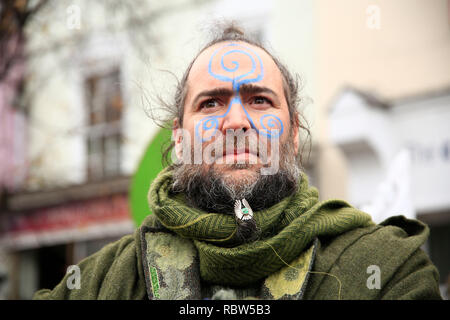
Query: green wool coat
{"x": 344, "y": 267}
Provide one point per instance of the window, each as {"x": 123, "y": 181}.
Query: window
{"x": 105, "y": 106}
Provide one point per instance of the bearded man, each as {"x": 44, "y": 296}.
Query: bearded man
{"x": 234, "y": 216}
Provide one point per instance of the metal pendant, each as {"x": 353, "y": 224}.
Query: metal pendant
{"x": 243, "y": 211}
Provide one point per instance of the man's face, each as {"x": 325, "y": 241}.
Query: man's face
{"x": 209, "y": 96}
{"x": 235, "y": 87}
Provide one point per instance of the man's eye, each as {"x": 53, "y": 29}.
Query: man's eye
{"x": 211, "y": 103}
{"x": 261, "y": 100}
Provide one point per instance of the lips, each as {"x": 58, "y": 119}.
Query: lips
{"x": 237, "y": 151}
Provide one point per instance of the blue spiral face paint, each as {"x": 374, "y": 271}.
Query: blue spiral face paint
{"x": 273, "y": 127}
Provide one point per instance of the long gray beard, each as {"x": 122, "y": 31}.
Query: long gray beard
{"x": 210, "y": 190}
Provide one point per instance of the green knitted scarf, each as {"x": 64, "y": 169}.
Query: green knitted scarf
{"x": 287, "y": 228}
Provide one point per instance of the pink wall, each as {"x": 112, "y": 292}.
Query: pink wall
{"x": 12, "y": 128}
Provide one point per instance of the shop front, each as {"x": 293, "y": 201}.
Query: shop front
{"x": 41, "y": 242}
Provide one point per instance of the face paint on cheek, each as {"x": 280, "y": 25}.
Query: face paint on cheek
{"x": 271, "y": 125}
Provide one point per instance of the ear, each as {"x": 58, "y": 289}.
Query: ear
{"x": 177, "y": 138}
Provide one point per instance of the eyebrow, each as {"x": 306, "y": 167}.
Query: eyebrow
{"x": 217, "y": 92}
{"x": 243, "y": 89}
{"x": 253, "y": 89}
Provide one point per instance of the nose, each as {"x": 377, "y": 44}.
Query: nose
{"x": 236, "y": 118}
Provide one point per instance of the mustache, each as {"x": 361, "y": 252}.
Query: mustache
{"x": 237, "y": 142}
{"x": 207, "y": 188}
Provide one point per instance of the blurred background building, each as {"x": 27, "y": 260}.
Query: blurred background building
{"x": 78, "y": 79}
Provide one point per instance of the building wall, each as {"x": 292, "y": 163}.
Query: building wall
{"x": 408, "y": 54}
{"x": 58, "y": 107}
{"x": 13, "y": 126}
{"x": 422, "y": 128}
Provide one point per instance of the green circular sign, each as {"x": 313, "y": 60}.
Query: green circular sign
{"x": 149, "y": 167}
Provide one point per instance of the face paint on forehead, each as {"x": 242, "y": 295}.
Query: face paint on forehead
{"x": 271, "y": 126}
{"x": 239, "y": 80}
